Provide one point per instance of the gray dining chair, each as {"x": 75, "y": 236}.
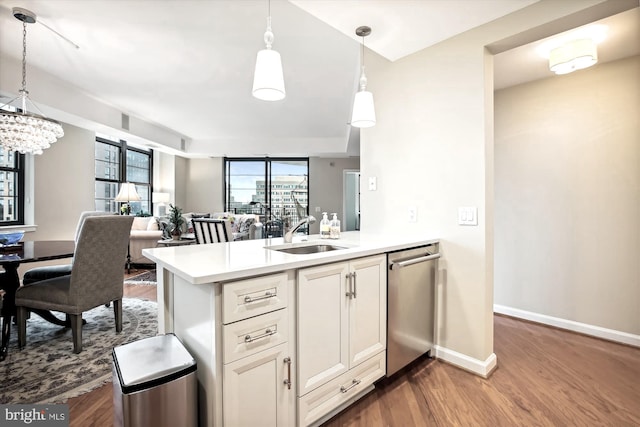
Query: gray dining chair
{"x": 47, "y": 272}
{"x": 96, "y": 278}
{"x": 208, "y": 230}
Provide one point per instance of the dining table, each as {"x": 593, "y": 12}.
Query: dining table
{"x": 11, "y": 257}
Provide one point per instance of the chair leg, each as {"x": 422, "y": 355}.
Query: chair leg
{"x": 117, "y": 311}
{"x": 76, "y": 331}
{"x": 21, "y": 314}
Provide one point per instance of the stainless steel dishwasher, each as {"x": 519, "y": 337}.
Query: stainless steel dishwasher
{"x": 411, "y": 305}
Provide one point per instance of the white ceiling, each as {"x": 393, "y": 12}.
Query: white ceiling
{"x": 187, "y": 65}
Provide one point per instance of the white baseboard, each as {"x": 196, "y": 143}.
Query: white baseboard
{"x": 583, "y": 328}
{"x": 475, "y": 366}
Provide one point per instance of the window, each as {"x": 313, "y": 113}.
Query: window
{"x": 275, "y": 188}
{"x": 115, "y": 163}
{"x": 11, "y": 188}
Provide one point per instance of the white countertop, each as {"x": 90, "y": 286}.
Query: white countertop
{"x": 235, "y": 260}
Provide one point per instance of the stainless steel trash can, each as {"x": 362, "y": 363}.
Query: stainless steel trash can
{"x": 154, "y": 384}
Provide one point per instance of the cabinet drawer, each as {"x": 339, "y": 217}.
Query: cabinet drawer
{"x": 252, "y": 297}
{"x": 252, "y": 335}
{"x": 331, "y": 395}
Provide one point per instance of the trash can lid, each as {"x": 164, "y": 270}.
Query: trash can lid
{"x": 151, "y": 361}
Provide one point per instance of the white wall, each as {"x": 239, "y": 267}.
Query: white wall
{"x": 567, "y": 196}
{"x": 205, "y": 185}
{"x": 432, "y": 148}
{"x": 64, "y": 184}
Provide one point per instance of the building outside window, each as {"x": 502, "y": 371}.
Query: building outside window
{"x": 117, "y": 163}
{"x": 11, "y": 188}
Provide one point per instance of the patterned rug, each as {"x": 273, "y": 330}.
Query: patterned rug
{"x": 47, "y": 371}
{"x": 146, "y": 278}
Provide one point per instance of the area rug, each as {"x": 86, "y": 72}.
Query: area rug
{"x": 47, "y": 371}
{"x": 146, "y": 278}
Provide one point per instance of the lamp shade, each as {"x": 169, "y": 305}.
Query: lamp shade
{"x": 160, "y": 197}
{"x": 127, "y": 193}
{"x": 364, "y": 114}
{"x": 572, "y": 56}
{"x": 268, "y": 80}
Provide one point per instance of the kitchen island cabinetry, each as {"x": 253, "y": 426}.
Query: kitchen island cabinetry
{"x": 253, "y": 317}
{"x": 341, "y": 317}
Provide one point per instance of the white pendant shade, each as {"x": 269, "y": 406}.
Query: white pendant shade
{"x": 364, "y": 114}
{"x": 572, "y": 56}
{"x": 268, "y": 79}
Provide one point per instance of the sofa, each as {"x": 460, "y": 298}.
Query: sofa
{"x": 145, "y": 233}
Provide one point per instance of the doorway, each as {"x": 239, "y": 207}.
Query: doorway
{"x": 351, "y": 200}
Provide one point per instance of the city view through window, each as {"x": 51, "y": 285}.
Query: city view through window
{"x": 275, "y": 189}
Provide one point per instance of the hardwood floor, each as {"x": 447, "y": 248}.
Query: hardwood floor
{"x": 545, "y": 377}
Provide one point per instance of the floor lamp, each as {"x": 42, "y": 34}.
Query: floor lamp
{"x": 128, "y": 194}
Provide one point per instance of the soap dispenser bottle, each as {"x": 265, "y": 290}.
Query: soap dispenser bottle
{"x": 325, "y": 226}
{"x": 334, "y": 230}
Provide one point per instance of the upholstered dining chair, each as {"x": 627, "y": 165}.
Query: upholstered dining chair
{"x": 208, "y": 230}
{"x": 96, "y": 278}
{"x": 47, "y": 272}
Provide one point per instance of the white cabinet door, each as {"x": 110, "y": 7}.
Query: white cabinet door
{"x": 342, "y": 319}
{"x": 255, "y": 392}
{"x": 367, "y": 308}
{"x": 322, "y": 312}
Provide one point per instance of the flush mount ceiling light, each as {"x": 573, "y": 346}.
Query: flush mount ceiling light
{"x": 20, "y": 130}
{"x": 364, "y": 114}
{"x": 573, "y": 55}
{"x": 268, "y": 81}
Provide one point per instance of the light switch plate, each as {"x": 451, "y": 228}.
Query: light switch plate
{"x": 468, "y": 215}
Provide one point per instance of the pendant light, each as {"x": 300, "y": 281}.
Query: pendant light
{"x": 20, "y": 130}
{"x": 364, "y": 114}
{"x": 268, "y": 81}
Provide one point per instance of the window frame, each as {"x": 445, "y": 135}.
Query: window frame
{"x": 123, "y": 148}
{"x": 268, "y": 216}
{"x": 19, "y": 190}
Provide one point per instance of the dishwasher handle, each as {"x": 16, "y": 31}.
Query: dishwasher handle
{"x": 412, "y": 261}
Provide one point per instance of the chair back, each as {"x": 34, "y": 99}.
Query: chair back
{"x": 97, "y": 274}
{"x": 208, "y": 230}
{"x": 84, "y": 215}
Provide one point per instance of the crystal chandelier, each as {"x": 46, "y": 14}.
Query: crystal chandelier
{"x": 20, "y": 130}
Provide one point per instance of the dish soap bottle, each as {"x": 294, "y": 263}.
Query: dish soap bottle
{"x": 325, "y": 226}
{"x": 334, "y": 230}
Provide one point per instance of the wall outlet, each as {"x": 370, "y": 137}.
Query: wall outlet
{"x": 412, "y": 214}
{"x": 372, "y": 183}
{"x": 468, "y": 215}
{"x": 317, "y": 209}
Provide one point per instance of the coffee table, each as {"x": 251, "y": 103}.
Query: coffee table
{"x": 181, "y": 242}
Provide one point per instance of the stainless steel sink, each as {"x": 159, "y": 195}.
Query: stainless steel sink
{"x": 306, "y": 249}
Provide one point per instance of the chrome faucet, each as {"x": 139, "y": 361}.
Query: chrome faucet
{"x": 288, "y": 233}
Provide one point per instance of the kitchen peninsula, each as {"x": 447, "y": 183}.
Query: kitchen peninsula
{"x": 280, "y": 338}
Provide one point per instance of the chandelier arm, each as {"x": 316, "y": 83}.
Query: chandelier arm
{"x": 24, "y": 57}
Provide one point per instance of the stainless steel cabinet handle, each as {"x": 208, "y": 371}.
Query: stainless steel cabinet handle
{"x": 267, "y": 332}
{"x": 414, "y": 261}
{"x": 287, "y": 382}
{"x": 354, "y": 284}
{"x": 349, "y": 292}
{"x": 354, "y": 383}
{"x": 267, "y": 294}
